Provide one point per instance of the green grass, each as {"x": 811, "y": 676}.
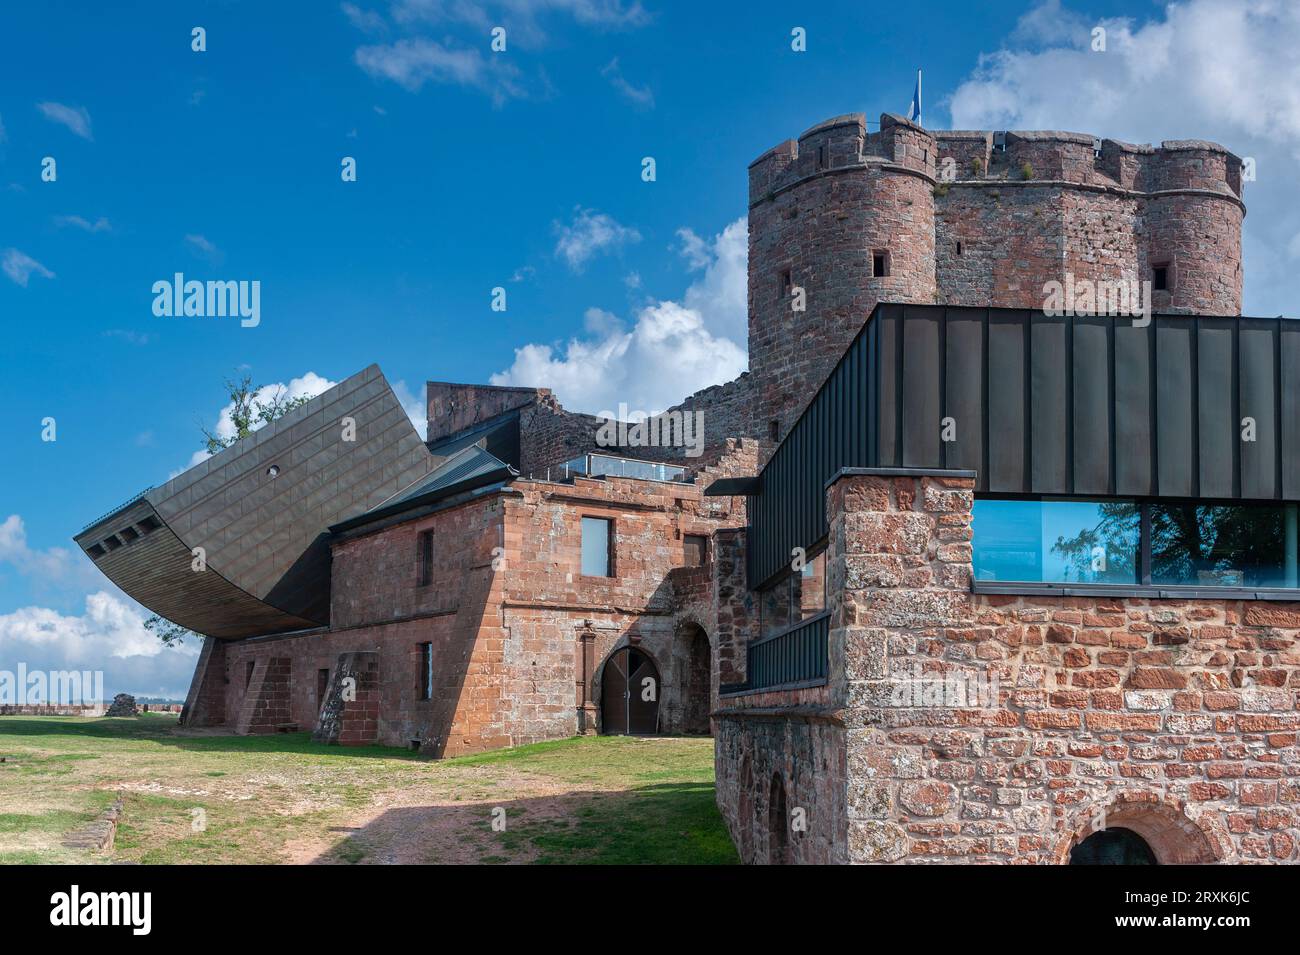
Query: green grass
{"x": 265, "y": 799}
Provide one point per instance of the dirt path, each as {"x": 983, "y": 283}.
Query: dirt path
{"x": 450, "y": 822}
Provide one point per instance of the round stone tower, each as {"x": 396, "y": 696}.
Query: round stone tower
{"x": 842, "y": 219}
{"x": 838, "y": 220}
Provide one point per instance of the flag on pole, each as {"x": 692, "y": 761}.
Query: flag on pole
{"x": 914, "y": 111}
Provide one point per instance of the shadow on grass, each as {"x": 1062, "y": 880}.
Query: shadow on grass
{"x": 662, "y": 824}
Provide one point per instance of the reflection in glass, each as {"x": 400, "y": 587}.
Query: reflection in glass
{"x": 1056, "y": 541}
{"x": 1237, "y": 545}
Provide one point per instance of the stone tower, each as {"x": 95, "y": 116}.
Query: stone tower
{"x": 977, "y": 218}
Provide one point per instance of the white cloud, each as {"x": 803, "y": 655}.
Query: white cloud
{"x": 1205, "y": 69}
{"x": 203, "y": 248}
{"x": 367, "y": 21}
{"x": 19, "y": 266}
{"x": 722, "y": 291}
{"x": 590, "y": 233}
{"x": 672, "y": 349}
{"x": 412, "y": 62}
{"x": 99, "y": 225}
{"x": 640, "y": 95}
{"x": 75, "y": 118}
{"x": 109, "y": 636}
{"x": 414, "y": 407}
{"x": 522, "y": 18}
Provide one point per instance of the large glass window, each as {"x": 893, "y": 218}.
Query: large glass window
{"x": 1102, "y": 542}
{"x": 597, "y": 547}
{"x": 1056, "y": 541}
{"x": 1238, "y": 545}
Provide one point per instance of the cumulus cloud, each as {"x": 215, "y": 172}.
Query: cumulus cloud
{"x": 19, "y": 266}
{"x": 367, "y": 21}
{"x": 589, "y": 234}
{"x": 673, "y": 348}
{"x": 414, "y": 407}
{"x": 108, "y": 636}
{"x": 53, "y": 565}
{"x": 1202, "y": 69}
{"x": 75, "y": 118}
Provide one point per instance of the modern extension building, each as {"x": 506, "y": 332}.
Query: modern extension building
{"x": 954, "y": 579}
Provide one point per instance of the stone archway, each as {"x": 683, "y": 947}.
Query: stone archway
{"x": 1162, "y": 823}
{"x": 694, "y": 662}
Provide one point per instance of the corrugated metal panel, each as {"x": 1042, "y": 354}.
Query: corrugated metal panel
{"x": 1042, "y": 405}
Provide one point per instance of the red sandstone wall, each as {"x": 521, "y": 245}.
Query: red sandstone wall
{"x": 506, "y": 639}
{"x": 1173, "y": 718}
{"x": 1024, "y": 216}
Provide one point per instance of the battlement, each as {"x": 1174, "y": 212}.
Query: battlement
{"x": 981, "y": 156}
{"x": 1065, "y": 157}
{"x": 840, "y": 143}
{"x": 849, "y": 217}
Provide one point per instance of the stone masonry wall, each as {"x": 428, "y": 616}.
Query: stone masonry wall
{"x": 1006, "y": 729}
{"x": 507, "y": 639}
{"x": 1047, "y": 204}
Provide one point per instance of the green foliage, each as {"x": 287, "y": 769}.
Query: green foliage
{"x": 1026, "y": 171}
{"x": 249, "y": 409}
{"x": 171, "y": 634}
{"x": 976, "y": 166}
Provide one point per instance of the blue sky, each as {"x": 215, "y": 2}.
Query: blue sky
{"x": 475, "y": 170}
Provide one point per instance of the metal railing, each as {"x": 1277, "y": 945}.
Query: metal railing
{"x": 793, "y": 657}
{"x": 119, "y": 507}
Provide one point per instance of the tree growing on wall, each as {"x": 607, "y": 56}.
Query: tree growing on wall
{"x": 249, "y": 410}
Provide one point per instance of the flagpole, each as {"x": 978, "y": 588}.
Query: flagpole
{"x": 918, "y": 97}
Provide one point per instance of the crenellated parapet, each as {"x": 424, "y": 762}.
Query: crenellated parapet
{"x": 844, "y": 217}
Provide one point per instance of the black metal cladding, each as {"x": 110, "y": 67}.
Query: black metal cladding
{"x": 1090, "y": 405}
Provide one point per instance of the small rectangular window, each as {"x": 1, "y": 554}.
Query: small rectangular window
{"x": 959, "y": 248}
{"x": 426, "y": 671}
{"x": 597, "y": 547}
{"x": 322, "y": 684}
{"x": 112, "y": 543}
{"x": 774, "y": 430}
{"x": 129, "y": 534}
{"x": 696, "y": 547}
{"x": 149, "y": 524}
{"x": 96, "y": 551}
{"x": 821, "y": 157}
{"x": 425, "y": 558}
{"x": 879, "y": 263}
{"x": 1160, "y": 278}
{"x": 786, "y": 282}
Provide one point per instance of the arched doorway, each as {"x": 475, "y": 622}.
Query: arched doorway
{"x": 778, "y": 825}
{"x": 629, "y": 694}
{"x": 695, "y": 664}
{"x": 1115, "y": 846}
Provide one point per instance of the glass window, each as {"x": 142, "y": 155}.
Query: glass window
{"x": 426, "y": 671}
{"x": 1225, "y": 545}
{"x": 1056, "y": 541}
{"x": 596, "y": 547}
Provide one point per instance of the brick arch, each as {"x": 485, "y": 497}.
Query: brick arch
{"x": 1174, "y": 836}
